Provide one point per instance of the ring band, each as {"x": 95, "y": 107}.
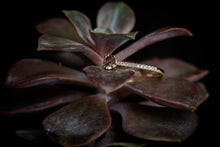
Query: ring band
{"x": 110, "y": 62}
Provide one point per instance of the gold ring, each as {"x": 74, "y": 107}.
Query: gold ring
{"x": 110, "y": 62}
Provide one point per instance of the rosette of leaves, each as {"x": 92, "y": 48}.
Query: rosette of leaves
{"x": 105, "y": 107}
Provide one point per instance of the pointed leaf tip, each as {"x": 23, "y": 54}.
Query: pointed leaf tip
{"x": 107, "y": 43}
{"x": 156, "y": 36}
{"x": 81, "y": 24}
{"x": 108, "y": 80}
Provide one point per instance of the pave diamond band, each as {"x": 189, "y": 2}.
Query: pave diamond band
{"x": 141, "y": 66}
{"x": 110, "y": 62}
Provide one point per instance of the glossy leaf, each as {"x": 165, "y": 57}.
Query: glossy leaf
{"x": 170, "y": 92}
{"x": 154, "y": 123}
{"x": 81, "y": 23}
{"x": 177, "y": 68}
{"x": 28, "y": 72}
{"x": 151, "y": 38}
{"x": 47, "y": 42}
{"x": 34, "y": 99}
{"x": 108, "y": 80}
{"x": 107, "y": 43}
{"x": 79, "y": 123}
{"x": 117, "y": 16}
{"x": 59, "y": 27}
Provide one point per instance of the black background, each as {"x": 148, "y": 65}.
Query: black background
{"x": 19, "y": 40}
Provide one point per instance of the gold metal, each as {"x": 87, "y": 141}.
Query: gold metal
{"x": 110, "y": 62}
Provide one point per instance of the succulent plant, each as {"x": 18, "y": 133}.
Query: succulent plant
{"x": 118, "y": 107}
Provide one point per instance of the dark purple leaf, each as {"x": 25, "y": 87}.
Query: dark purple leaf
{"x": 117, "y": 16}
{"x": 108, "y": 80}
{"x": 74, "y": 60}
{"x": 177, "y": 68}
{"x": 79, "y": 123}
{"x": 59, "y": 27}
{"x": 151, "y": 38}
{"x": 81, "y": 23}
{"x": 37, "y": 136}
{"x": 33, "y": 99}
{"x": 115, "y": 136}
{"x": 107, "y": 43}
{"x": 171, "y": 92}
{"x": 156, "y": 123}
{"x": 47, "y": 42}
{"x": 203, "y": 93}
{"x": 28, "y": 72}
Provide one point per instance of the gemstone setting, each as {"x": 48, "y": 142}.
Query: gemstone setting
{"x": 109, "y": 62}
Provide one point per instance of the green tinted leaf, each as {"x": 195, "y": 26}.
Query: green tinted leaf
{"x": 117, "y": 16}
{"x": 81, "y": 23}
{"x": 107, "y": 43}
{"x": 59, "y": 27}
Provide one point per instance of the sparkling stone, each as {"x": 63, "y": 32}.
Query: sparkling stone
{"x": 109, "y": 62}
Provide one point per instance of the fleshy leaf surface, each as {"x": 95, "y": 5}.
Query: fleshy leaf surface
{"x": 174, "y": 67}
{"x": 156, "y": 123}
{"x": 34, "y": 99}
{"x": 75, "y": 60}
{"x": 171, "y": 92}
{"x": 47, "y": 42}
{"x": 156, "y": 36}
{"x": 107, "y": 43}
{"x": 79, "y": 123}
{"x": 117, "y": 16}
{"x": 81, "y": 23}
{"x": 59, "y": 27}
{"x": 28, "y": 72}
{"x": 108, "y": 80}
